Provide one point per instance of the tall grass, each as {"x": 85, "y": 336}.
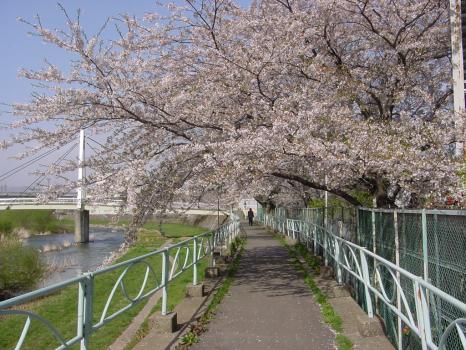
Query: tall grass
{"x": 20, "y": 267}
{"x": 33, "y": 221}
{"x": 61, "y": 308}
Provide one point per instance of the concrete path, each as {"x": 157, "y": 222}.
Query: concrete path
{"x": 268, "y": 306}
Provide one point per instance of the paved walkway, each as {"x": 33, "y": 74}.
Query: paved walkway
{"x": 268, "y": 306}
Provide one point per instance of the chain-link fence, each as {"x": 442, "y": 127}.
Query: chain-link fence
{"x": 427, "y": 243}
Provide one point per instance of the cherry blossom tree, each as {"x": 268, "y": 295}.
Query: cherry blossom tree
{"x": 268, "y": 99}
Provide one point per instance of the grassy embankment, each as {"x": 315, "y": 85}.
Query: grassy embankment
{"x": 60, "y": 309}
{"x": 32, "y": 221}
{"x": 168, "y": 230}
{"x": 42, "y": 221}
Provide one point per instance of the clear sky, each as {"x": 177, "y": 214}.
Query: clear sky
{"x": 20, "y": 50}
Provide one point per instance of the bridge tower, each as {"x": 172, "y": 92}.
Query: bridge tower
{"x": 81, "y": 221}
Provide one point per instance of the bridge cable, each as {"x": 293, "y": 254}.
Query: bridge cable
{"x": 15, "y": 170}
{"x": 101, "y": 145}
{"x": 20, "y": 167}
{"x": 42, "y": 177}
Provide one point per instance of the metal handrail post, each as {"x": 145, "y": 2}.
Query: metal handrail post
{"x": 365, "y": 276}
{"x": 422, "y": 313}
{"x": 325, "y": 236}
{"x": 195, "y": 261}
{"x": 337, "y": 253}
{"x": 424, "y": 245}
{"x": 165, "y": 266}
{"x": 212, "y": 243}
{"x": 85, "y": 301}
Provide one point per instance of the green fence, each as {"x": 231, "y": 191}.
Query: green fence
{"x": 427, "y": 243}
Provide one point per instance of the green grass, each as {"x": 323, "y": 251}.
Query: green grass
{"x": 176, "y": 293}
{"x": 169, "y": 230}
{"x": 198, "y": 328}
{"x": 328, "y": 312}
{"x": 34, "y": 221}
{"x": 61, "y": 308}
{"x": 223, "y": 290}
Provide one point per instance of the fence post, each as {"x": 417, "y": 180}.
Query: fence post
{"x": 325, "y": 234}
{"x": 374, "y": 250}
{"x": 397, "y": 263}
{"x": 212, "y": 244}
{"x": 165, "y": 266}
{"x": 358, "y": 229}
{"x": 337, "y": 252}
{"x": 366, "y": 278}
{"x": 374, "y": 245}
{"x": 195, "y": 261}
{"x": 85, "y": 296}
{"x": 424, "y": 245}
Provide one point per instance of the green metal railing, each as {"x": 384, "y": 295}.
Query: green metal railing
{"x": 175, "y": 259}
{"x": 407, "y": 266}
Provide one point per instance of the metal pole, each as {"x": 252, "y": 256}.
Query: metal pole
{"x": 366, "y": 278}
{"x": 81, "y": 172}
{"x": 374, "y": 250}
{"x": 457, "y": 68}
{"x": 85, "y": 295}
{"x": 424, "y": 245}
{"x": 325, "y": 224}
{"x": 397, "y": 262}
{"x": 338, "y": 253}
{"x": 195, "y": 261}
{"x": 165, "y": 266}
{"x": 326, "y": 203}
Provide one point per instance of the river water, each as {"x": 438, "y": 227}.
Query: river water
{"x": 75, "y": 259}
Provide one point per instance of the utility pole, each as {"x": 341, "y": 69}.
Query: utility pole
{"x": 458, "y": 70}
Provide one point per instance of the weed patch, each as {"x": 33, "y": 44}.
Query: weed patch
{"x": 200, "y": 327}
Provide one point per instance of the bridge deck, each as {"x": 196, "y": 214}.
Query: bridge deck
{"x": 269, "y": 306}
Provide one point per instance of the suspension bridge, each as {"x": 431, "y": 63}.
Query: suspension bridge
{"x": 81, "y": 204}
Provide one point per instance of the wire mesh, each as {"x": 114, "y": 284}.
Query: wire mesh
{"x": 428, "y": 243}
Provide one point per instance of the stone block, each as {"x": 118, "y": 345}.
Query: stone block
{"x": 195, "y": 291}
{"x": 212, "y": 272}
{"x": 291, "y": 241}
{"x": 339, "y": 292}
{"x": 220, "y": 260}
{"x": 319, "y": 259}
{"x": 165, "y": 323}
{"x": 326, "y": 272}
{"x": 369, "y": 327}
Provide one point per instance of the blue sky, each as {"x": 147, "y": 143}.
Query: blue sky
{"x": 20, "y": 50}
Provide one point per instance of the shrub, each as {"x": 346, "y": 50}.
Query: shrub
{"x": 6, "y": 227}
{"x": 20, "y": 267}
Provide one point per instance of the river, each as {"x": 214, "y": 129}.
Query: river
{"x": 76, "y": 259}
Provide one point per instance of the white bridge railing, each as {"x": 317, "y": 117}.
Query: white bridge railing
{"x": 33, "y": 201}
{"x": 412, "y": 299}
{"x": 156, "y": 269}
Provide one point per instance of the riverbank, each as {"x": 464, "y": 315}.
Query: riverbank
{"x": 23, "y": 223}
{"x": 60, "y": 308}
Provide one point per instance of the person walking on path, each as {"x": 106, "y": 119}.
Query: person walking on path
{"x": 250, "y": 216}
